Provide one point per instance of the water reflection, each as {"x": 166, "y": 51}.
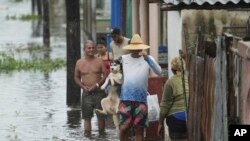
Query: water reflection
{"x": 74, "y": 118}
{"x": 37, "y": 28}
{"x": 46, "y": 74}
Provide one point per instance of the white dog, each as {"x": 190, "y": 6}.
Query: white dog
{"x": 111, "y": 102}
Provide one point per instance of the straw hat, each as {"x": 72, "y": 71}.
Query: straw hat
{"x": 136, "y": 43}
{"x": 176, "y": 64}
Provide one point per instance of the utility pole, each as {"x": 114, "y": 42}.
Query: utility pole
{"x": 73, "y": 50}
{"x": 39, "y": 4}
{"x": 46, "y": 31}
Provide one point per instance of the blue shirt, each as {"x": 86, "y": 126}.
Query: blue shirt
{"x": 135, "y": 77}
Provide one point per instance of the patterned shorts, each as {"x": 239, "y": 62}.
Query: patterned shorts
{"x": 90, "y": 102}
{"x": 133, "y": 113}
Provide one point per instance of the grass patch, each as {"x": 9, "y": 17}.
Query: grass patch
{"x": 30, "y": 58}
{"x": 27, "y": 17}
{"x": 18, "y": 0}
{"x": 32, "y": 47}
{"x": 9, "y": 64}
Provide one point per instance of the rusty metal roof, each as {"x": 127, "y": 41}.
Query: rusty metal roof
{"x": 205, "y": 4}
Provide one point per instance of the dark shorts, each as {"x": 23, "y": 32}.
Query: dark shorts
{"x": 177, "y": 128}
{"x": 90, "y": 102}
{"x": 133, "y": 113}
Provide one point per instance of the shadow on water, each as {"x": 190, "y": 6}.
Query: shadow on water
{"x": 74, "y": 122}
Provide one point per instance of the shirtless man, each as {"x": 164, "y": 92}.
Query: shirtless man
{"x": 90, "y": 73}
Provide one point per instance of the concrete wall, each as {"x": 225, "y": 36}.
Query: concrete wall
{"x": 211, "y": 23}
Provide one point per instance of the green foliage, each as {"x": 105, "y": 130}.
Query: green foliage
{"x": 16, "y": 0}
{"x": 23, "y": 17}
{"x": 9, "y": 63}
{"x": 32, "y": 47}
{"x": 29, "y": 17}
{"x": 13, "y": 17}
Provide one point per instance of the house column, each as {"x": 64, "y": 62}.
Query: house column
{"x": 154, "y": 30}
{"x": 144, "y": 21}
{"x": 135, "y": 17}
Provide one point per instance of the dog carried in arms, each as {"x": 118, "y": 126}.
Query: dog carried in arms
{"x": 111, "y": 102}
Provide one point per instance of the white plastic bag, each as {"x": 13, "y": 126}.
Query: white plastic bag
{"x": 153, "y": 108}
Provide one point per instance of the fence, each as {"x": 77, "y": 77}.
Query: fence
{"x": 218, "y": 94}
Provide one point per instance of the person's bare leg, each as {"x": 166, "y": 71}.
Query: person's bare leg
{"x": 139, "y": 133}
{"x": 124, "y": 132}
{"x": 87, "y": 127}
{"x": 116, "y": 121}
{"x": 101, "y": 126}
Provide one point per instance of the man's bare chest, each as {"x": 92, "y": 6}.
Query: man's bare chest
{"x": 90, "y": 69}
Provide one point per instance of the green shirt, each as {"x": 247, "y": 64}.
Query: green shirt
{"x": 173, "y": 99}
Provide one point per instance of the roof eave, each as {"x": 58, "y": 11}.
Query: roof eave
{"x": 155, "y": 1}
{"x": 170, "y": 7}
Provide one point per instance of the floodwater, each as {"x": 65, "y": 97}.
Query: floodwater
{"x": 33, "y": 104}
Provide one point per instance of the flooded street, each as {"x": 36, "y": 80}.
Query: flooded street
{"x": 33, "y": 104}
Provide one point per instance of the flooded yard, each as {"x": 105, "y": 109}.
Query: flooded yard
{"x": 33, "y": 109}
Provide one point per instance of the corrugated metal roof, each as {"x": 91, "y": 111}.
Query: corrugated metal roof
{"x": 204, "y": 4}
{"x": 201, "y": 2}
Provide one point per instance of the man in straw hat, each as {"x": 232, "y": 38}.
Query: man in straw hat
{"x": 173, "y": 105}
{"x": 133, "y": 105}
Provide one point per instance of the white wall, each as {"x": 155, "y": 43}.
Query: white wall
{"x": 174, "y": 36}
